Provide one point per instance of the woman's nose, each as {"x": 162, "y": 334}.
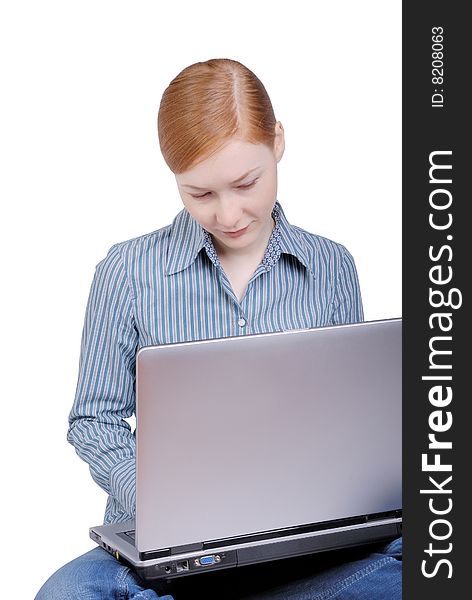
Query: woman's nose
{"x": 228, "y": 214}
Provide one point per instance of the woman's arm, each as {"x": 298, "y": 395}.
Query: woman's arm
{"x": 347, "y": 302}
{"x": 105, "y": 393}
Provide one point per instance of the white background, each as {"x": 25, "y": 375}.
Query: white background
{"x": 81, "y": 170}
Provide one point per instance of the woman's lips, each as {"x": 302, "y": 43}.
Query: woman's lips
{"x": 236, "y": 233}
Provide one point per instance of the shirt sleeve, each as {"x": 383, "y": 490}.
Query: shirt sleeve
{"x": 105, "y": 393}
{"x": 347, "y": 302}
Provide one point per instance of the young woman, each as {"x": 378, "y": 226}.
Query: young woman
{"x": 229, "y": 264}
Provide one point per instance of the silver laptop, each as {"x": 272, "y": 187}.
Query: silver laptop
{"x": 262, "y": 447}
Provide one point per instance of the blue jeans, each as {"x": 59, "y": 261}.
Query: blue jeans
{"x": 362, "y": 574}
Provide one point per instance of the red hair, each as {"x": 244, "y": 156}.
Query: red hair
{"x": 208, "y": 103}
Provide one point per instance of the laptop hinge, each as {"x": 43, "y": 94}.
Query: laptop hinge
{"x": 152, "y": 554}
{"x": 186, "y": 548}
{"x": 312, "y": 527}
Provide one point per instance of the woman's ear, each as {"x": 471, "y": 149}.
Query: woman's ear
{"x": 279, "y": 141}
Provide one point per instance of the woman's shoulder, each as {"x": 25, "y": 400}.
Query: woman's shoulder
{"x": 136, "y": 248}
{"x": 319, "y": 247}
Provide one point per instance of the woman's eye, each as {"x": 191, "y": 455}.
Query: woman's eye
{"x": 240, "y": 187}
{"x": 248, "y": 185}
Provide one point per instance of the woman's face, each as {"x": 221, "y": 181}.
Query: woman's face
{"x": 232, "y": 194}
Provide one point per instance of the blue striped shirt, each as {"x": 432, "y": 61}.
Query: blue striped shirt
{"x": 168, "y": 286}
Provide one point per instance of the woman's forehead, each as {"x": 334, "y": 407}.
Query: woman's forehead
{"x": 230, "y": 164}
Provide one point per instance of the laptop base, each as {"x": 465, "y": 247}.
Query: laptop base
{"x": 181, "y": 565}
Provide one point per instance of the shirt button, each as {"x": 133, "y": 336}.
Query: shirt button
{"x": 241, "y": 322}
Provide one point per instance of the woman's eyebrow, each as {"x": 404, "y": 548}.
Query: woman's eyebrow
{"x": 195, "y": 187}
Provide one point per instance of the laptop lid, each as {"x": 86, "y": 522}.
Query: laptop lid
{"x": 263, "y": 432}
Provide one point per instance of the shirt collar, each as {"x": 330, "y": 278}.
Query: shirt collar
{"x": 188, "y": 238}
{"x": 185, "y": 242}
{"x": 291, "y": 240}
